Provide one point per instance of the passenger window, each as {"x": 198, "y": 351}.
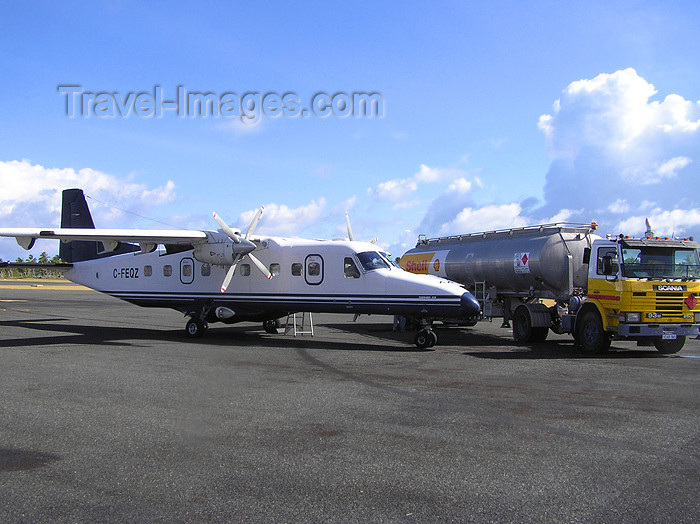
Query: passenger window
{"x": 314, "y": 269}
{"x": 206, "y": 270}
{"x": 245, "y": 270}
{"x": 297, "y": 269}
{"x": 147, "y": 271}
{"x": 275, "y": 269}
{"x": 168, "y": 271}
{"x": 350, "y": 269}
{"x": 186, "y": 270}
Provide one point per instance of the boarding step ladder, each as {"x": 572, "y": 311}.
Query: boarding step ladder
{"x": 299, "y": 328}
{"x": 480, "y": 295}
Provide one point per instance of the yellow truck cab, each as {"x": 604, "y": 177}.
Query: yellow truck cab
{"x": 643, "y": 289}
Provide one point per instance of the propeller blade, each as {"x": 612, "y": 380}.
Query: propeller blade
{"x": 224, "y": 227}
{"x": 254, "y": 222}
{"x": 260, "y": 266}
{"x": 229, "y": 274}
{"x": 227, "y": 279}
{"x": 347, "y": 220}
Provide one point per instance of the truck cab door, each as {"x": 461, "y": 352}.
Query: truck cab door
{"x": 603, "y": 283}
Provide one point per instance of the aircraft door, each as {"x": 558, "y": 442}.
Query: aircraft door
{"x": 186, "y": 270}
{"x": 313, "y": 269}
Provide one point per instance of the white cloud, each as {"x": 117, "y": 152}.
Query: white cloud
{"x": 31, "y": 197}
{"x": 283, "y": 220}
{"x": 395, "y": 190}
{"x": 31, "y": 194}
{"x": 619, "y": 207}
{"x": 615, "y": 150}
{"x": 668, "y": 169}
{"x": 345, "y": 205}
{"x": 486, "y": 218}
{"x": 399, "y": 190}
{"x": 676, "y": 222}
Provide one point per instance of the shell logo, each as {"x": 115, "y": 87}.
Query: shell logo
{"x": 436, "y": 265}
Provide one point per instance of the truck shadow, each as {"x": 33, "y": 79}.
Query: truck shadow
{"x": 552, "y": 350}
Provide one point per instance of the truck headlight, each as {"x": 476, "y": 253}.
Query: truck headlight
{"x": 632, "y": 318}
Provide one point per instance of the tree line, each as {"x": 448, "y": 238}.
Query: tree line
{"x": 38, "y": 272}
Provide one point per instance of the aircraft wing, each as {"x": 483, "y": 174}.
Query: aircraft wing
{"x": 150, "y": 237}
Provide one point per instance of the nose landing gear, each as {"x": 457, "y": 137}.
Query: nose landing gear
{"x": 425, "y": 338}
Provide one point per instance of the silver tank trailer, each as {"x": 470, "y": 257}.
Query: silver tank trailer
{"x": 543, "y": 261}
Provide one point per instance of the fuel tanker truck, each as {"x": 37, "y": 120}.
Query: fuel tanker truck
{"x": 565, "y": 278}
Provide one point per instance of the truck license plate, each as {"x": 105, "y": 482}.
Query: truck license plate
{"x": 669, "y": 336}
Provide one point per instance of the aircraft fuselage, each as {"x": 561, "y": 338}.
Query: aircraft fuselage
{"x": 308, "y": 275}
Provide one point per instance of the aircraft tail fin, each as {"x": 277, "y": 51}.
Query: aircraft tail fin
{"x": 76, "y": 214}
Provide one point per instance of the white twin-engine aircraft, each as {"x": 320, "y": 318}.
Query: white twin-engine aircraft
{"x": 213, "y": 276}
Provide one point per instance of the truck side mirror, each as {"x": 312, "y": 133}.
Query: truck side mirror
{"x": 586, "y": 255}
{"x": 610, "y": 265}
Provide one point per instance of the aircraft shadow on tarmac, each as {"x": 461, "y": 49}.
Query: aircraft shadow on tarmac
{"x": 54, "y": 332}
{"x": 374, "y": 337}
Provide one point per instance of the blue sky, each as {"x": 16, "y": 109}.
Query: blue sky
{"x": 495, "y": 114}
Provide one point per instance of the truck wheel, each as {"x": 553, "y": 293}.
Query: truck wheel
{"x": 522, "y": 325}
{"x": 591, "y": 337}
{"x": 540, "y": 334}
{"x": 667, "y": 347}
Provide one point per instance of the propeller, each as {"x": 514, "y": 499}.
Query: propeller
{"x": 350, "y": 235}
{"x": 243, "y": 248}
{"x": 347, "y": 221}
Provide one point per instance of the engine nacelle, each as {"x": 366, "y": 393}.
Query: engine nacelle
{"x": 222, "y": 253}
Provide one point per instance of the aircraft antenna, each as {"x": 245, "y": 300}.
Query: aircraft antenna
{"x": 132, "y": 213}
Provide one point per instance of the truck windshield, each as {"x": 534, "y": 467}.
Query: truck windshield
{"x": 371, "y": 260}
{"x": 660, "y": 263}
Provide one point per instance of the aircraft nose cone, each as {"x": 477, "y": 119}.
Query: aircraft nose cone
{"x": 470, "y": 305}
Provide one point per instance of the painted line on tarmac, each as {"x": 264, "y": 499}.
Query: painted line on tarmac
{"x": 67, "y": 287}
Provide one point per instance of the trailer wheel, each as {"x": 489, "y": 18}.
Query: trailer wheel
{"x": 522, "y": 325}
{"x": 591, "y": 337}
{"x": 668, "y": 347}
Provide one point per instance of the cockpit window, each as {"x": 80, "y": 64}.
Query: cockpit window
{"x": 390, "y": 259}
{"x": 372, "y": 260}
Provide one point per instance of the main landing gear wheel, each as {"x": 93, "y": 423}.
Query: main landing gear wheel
{"x": 425, "y": 338}
{"x": 195, "y": 328}
{"x": 270, "y": 326}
